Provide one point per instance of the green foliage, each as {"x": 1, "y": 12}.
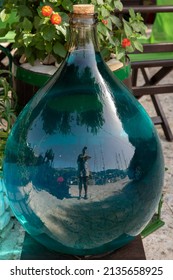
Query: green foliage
{"x": 7, "y": 112}
{"x": 36, "y": 37}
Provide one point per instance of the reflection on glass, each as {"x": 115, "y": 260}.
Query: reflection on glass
{"x": 96, "y": 143}
{"x": 83, "y": 136}
{"x": 83, "y": 172}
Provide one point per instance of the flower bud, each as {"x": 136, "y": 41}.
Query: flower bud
{"x": 46, "y": 11}
{"x": 55, "y": 18}
{"x": 105, "y": 21}
{"x": 125, "y": 43}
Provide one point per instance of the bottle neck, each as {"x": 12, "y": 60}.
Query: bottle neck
{"x": 83, "y": 33}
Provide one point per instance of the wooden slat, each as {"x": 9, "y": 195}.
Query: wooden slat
{"x": 157, "y": 47}
{"x": 147, "y": 9}
{"x": 151, "y": 90}
{"x": 152, "y": 63}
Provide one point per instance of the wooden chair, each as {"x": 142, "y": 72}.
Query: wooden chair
{"x": 158, "y": 52}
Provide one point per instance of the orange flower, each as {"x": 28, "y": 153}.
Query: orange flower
{"x": 126, "y": 43}
{"x": 46, "y": 11}
{"x": 105, "y": 21}
{"x": 55, "y": 18}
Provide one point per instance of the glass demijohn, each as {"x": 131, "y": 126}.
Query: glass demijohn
{"x": 83, "y": 165}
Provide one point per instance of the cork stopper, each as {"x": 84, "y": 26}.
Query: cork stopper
{"x": 83, "y": 9}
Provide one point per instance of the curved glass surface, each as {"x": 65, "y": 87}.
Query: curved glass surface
{"x": 83, "y": 166}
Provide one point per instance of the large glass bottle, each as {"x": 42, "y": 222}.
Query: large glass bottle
{"x": 83, "y": 166}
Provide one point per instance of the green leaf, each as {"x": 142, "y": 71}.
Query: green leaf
{"x": 115, "y": 20}
{"x": 65, "y": 18}
{"x": 120, "y": 54}
{"x": 27, "y": 39}
{"x": 127, "y": 28}
{"x": 62, "y": 30}
{"x": 105, "y": 53}
{"x": 138, "y": 45}
{"x": 130, "y": 48}
{"x": 111, "y": 41}
{"x": 36, "y": 22}
{"x": 132, "y": 13}
{"x": 100, "y": 2}
{"x": 59, "y": 49}
{"x": 40, "y": 45}
{"x": 24, "y": 11}
{"x": 139, "y": 17}
{"x": 49, "y": 32}
{"x": 118, "y": 5}
{"x": 3, "y": 32}
{"x": 109, "y": 24}
{"x": 139, "y": 28}
{"x": 48, "y": 47}
{"x": 3, "y": 15}
{"x": 109, "y": 7}
{"x": 102, "y": 29}
{"x": 27, "y": 25}
{"x": 67, "y": 5}
{"x": 104, "y": 12}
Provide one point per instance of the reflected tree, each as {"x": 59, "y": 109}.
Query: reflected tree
{"x": 74, "y": 108}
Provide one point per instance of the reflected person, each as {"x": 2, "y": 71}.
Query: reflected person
{"x": 83, "y": 172}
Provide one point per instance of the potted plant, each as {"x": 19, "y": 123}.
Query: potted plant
{"x": 41, "y": 33}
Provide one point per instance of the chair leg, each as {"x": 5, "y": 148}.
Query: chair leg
{"x": 146, "y": 79}
{"x": 157, "y": 77}
{"x": 134, "y": 76}
{"x": 156, "y": 102}
{"x": 164, "y": 123}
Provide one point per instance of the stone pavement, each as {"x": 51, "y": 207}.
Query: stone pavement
{"x": 159, "y": 244}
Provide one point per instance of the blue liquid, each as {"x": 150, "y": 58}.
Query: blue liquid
{"x": 83, "y": 105}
